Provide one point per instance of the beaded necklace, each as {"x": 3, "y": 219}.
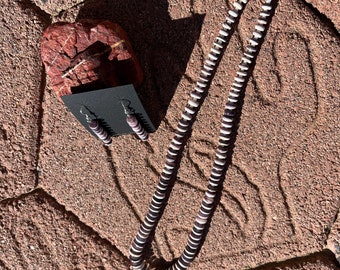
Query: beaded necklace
{"x": 225, "y": 143}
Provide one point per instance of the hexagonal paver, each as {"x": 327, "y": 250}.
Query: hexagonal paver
{"x": 20, "y": 93}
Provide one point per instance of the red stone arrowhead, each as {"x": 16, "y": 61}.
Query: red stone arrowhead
{"x": 88, "y": 55}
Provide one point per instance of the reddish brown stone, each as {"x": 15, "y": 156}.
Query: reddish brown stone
{"x": 88, "y": 55}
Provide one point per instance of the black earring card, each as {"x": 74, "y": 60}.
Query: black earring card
{"x": 108, "y": 107}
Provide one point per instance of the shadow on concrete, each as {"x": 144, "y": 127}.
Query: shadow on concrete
{"x": 324, "y": 258}
{"x": 163, "y": 46}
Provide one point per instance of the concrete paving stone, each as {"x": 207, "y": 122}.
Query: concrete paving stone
{"x": 330, "y": 8}
{"x": 282, "y": 189}
{"x": 20, "y": 83}
{"x": 55, "y": 8}
{"x": 39, "y": 233}
{"x": 333, "y": 241}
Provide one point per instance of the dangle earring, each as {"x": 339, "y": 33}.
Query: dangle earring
{"x": 133, "y": 122}
{"x": 97, "y": 129}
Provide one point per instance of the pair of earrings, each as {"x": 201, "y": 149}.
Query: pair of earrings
{"x": 131, "y": 120}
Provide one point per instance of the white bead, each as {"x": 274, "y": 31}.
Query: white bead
{"x": 235, "y": 89}
{"x": 212, "y": 57}
{"x": 250, "y": 49}
{"x": 230, "y": 107}
{"x": 262, "y": 21}
{"x": 216, "y": 44}
{"x": 243, "y": 67}
{"x": 241, "y": 73}
{"x": 201, "y": 84}
{"x": 176, "y": 142}
{"x": 199, "y": 89}
{"x": 233, "y": 94}
{"x": 216, "y": 174}
{"x": 195, "y": 95}
{"x": 249, "y": 55}
{"x": 238, "y": 79}
{"x": 206, "y": 73}
{"x": 207, "y": 67}
{"x": 189, "y": 110}
{"x": 223, "y": 33}
{"x": 193, "y": 103}
{"x": 203, "y": 78}
{"x": 186, "y": 117}
{"x": 259, "y": 28}
{"x": 170, "y": 159}
{"x": 238, "y": 84}
{"x": 180, "y": 129}
{"x": 210, "y": 63}
{"x": 226, "y": 26}
{"x": 232, "y": 99}
{"x": 224, "y": 131}
{"x": 215, "y": 51}
{"x": 219, "y": 162}
{"x": 244, "y": 1}
{"x": 227, "y": 125}
{"x": 233, "y": 13}
{"x": 227, "y": 119}
{"x": 221, "y": 39}
{"x": 230, "y": 19}
{"x": 266, "y": 7}
{"x": 253, "y": 42}
{"x": 257, "y": 35}
{"x": 175, "y": 147}
{"x": 237, "y": 6}
{"x": 246, "y": 60}
{"x": 220, "y": 156}
{"x": 264, "y": 14}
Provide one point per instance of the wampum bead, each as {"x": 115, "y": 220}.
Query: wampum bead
{"x": 243, "y": 66}
{"x": 234, "y": 94}
{"x": 257, "y": 35}
{"x": 195, "y": 95}
{"x": 262, "y": 21}
{"x": 253, "y": 42}
{"x": 230, "y": 19}
{"x": 264, "y": 14}
{"x": 198, "y": 88}
{"x": 223, "y": 33}
{"x": 186, "y": 116}
{"x": 236, "y": 84}
{"x": 210, "y": 63}
{"x": 189, "y": 110}
{"x": 226, "y": 26}
{"x": 203, "y": 79}
{"x": 246, "y": 60}
{"x": 193, "y": 103}
{"x": 259, "y": 28}
{"x": 233, "y": 13}
{"x": 215, "y": 51}
{"x": 266, "y": 7}
{"x": 212, "y": 56}
{"x": 205, "y": 72}
{"x": 237, "y": 5}
{"x": 219, "y": 38}
{"x": 218, "y": 45}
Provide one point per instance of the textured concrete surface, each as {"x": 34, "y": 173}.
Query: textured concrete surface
{"x": 67, "y": 202}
